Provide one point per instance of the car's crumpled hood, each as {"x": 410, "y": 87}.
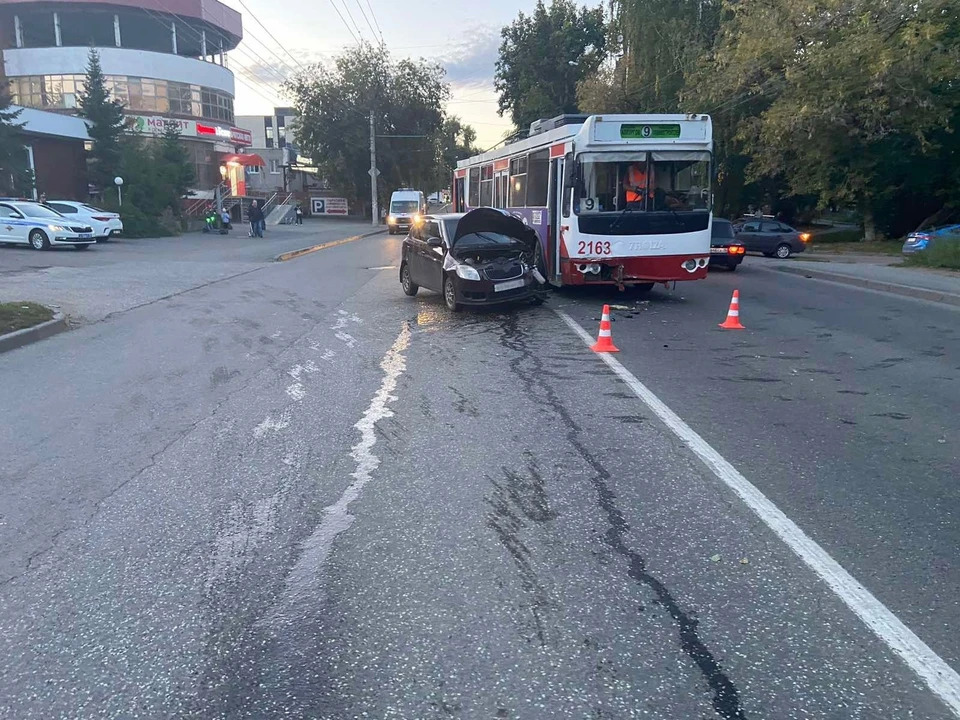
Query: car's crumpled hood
{"x": 491, "y": 220}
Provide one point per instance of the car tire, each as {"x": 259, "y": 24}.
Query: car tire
{"x": 732, "y": 267}
{"x": 450, "y": 295}
{"x": 410, "y": 288}
{"x": 783, "y": 251}
{"x": 39, "y": 240}
{"x": 80, "y": 247}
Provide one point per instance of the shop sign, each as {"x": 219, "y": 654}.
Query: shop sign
{"x": 157, "y": 125}
{"x": 235, "y": 136}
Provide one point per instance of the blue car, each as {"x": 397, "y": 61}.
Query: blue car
{"x": 922, "y": 239}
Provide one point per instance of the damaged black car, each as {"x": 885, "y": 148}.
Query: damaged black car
{"x": 484, "y": 257}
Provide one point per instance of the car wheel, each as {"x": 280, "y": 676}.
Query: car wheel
{"x": 39, "y": 240}
{"x": 732, "y": 267}
{"x": 450, "y": 295}
{"x": 80, "y": 247}
{"x": 783, "y": 251}
{"x": 409, "y": 286}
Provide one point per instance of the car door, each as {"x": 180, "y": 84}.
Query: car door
{"x": 770, "y": 236}
{"x": 750, "y": 235}
{"x": 432, "y": 257}
{"x": 413, "y": 255}
{"x": 11, "y": 228}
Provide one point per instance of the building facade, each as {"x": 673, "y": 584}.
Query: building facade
{"x": 166, "y": 60}
{"x": 273, "y": 138}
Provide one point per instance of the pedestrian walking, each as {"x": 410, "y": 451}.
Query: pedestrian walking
{"x": 255, "y": 216}
{"x": 299, "y": 214}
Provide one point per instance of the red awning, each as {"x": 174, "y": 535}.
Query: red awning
{"x": 246, "y": 159}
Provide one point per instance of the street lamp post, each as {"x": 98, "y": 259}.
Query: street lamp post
{"x": 118, "y": 181}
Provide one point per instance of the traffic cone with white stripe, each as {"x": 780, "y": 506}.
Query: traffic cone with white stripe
{"x": 733, "y": 314}
{"x": 604, "y": 342}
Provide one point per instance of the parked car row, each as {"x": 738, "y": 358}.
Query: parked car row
{"x": 55, "y": 222}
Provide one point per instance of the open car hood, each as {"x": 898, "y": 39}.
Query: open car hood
{"x": 491, "y": 220}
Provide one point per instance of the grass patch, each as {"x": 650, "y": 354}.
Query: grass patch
{"x": 880, "y": 247}
{"x": 21, "y": 315}
{"x": 853, "y": 235}
{"x": 938, "y": 255}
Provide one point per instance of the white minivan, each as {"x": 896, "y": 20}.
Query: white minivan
{"x": 406, "y": 205}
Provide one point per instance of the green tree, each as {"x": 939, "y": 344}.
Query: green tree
{"x": 173, "y": 167}
{"x": 406, "y": 98}
{"x": 848, "y": 100}
{"x": 106, "y": 124}
{"x": 16, "y": 177}
{"x": 544, "y": 55}
{"x": 455, "y": 142}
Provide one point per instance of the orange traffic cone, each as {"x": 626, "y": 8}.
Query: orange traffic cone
{"x": 604, "y": 342}
{"x": 733, "y": 314}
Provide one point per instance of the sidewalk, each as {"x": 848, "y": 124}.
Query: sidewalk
{"x": 880, "y": 274}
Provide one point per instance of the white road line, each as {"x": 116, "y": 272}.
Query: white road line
{"x": 303, "y": 579}
{"x": 271, "y": 425}
{"x": 942, "y": 679}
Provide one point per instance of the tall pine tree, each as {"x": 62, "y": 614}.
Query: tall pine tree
{"x": 107, "y": 122}
{"x": 15, "y": 175}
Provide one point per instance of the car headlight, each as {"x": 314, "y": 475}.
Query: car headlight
{"x": 467, "y": 273}
{"x": 57, "y": 228}
{"x": 391, "y": 219}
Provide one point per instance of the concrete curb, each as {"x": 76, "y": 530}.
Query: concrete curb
{"x": 19, "y": 338}
{"x": 894, "y": 288}
{"x": 291, "y": 254}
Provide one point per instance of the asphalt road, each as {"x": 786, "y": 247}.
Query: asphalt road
{"x": 294, "y": 492}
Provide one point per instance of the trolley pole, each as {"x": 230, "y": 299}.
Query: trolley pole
{"x": 375, "y": 211}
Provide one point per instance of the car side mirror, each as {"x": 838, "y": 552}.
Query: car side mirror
{"x": 435, "y": 242}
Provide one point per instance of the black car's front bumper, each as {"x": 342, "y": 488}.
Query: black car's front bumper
{"x": 484, "y": 292}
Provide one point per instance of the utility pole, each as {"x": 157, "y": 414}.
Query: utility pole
{"x": 375, "y": 210}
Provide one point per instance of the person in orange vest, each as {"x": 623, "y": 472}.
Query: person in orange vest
{"x": 636, "y": 183}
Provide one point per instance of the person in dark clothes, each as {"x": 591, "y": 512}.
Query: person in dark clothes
{"x": 299, "y": 213}
{"x": 255, "y": 216}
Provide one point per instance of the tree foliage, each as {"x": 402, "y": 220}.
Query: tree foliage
{"x": 544, "y": 55}
{"x": 406, "y": 98}
{"x": 843, "y": 101}
{"x": 106, "y": 124}
{"x": 16, "y": 177}
{"x": 455, "y": 142}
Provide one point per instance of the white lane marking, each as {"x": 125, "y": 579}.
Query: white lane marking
{"x": 347, "y": 338}
{"x": 297, "y": 370}
{"x": 942, "y": 679}
{"x": 271, "y": 425}
{"x": 304, "y": 577}
{"x": 296, "y": 391}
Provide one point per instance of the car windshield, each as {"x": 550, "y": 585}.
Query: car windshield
{"x": 656, "y": 181}
{"x": 404, "y": 206}
{"x": 722, "y": 230}
{"x": 37, "y": 211}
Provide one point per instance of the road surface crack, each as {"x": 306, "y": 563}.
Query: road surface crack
{"x": 528, "y": 367}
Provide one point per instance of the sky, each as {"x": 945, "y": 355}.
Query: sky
{"x": 462, "y": 35}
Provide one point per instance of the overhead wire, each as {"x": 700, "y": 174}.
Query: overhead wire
{"x": 270, "y": 34}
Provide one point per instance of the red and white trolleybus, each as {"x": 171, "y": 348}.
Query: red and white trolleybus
{"x": 617, "y": 199}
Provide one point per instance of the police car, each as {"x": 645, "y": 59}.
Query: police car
{"x": 23, "y": 222}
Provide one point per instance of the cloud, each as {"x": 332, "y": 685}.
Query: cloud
{"x": 472, "y": 59}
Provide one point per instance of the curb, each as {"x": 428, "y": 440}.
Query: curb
{"x": 291, "y": 254}
{"x": 905, "y": 290}
{"x": 19, "y": 338}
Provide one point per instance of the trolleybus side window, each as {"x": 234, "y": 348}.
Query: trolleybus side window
{"x": 538, "y": 178}
{"x": 518, "y": 181}
{"x": 474, "y": 190}
{"x": 486, "y": 186}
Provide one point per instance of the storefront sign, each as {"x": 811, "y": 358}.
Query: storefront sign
{"x": 157, "y": 124}
{"x": 328, "y": 206}
{"x": 236, "y": 136}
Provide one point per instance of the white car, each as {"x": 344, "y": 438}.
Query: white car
{"x": 105, "y": 224}
{"x": 29, "y": 223}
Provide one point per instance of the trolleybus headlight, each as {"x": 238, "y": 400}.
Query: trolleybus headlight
{"x": 589, "y": 268}
{"x": 690, "y": 265}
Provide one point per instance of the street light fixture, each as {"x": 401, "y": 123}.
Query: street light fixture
{"x": 118, "y": 181}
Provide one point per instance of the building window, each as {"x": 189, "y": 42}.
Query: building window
{"x": 275, "y": 167}
{"x": 253, "y": 169}
{"x": 139, "y": 95}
